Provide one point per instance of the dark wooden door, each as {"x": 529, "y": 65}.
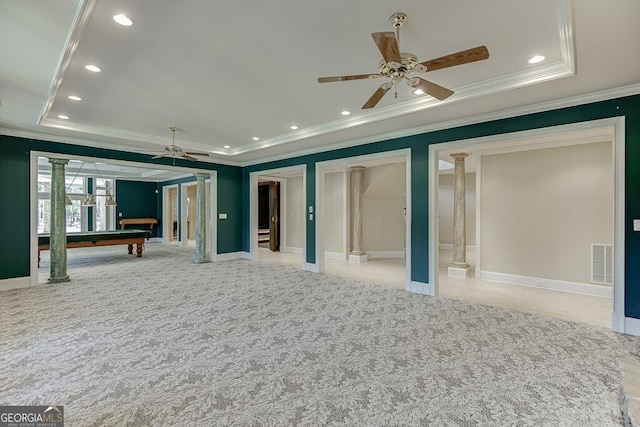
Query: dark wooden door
{"x": 274, "y": 215}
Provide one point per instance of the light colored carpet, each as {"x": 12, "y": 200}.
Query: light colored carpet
{"x": 160, "y": 341}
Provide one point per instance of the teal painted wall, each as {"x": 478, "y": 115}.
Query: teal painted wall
{"x": 14, "y": 211}
{"x": 137, "y": 199}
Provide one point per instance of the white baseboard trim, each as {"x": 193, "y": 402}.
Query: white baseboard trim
{"x": 15, "y": 283}
{"x": 386, "y": 254}
{"x": 230, "y": 256}
{"x": 293, "y": 250}
{"x": 335, "y": 255}
{"x": 314, "y": 268}
{"x": 554, "y": 285}
{"x": 421, "y": 288}
{"x": 632, "y": 326}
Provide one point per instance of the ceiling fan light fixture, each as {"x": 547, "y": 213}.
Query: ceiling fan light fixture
{"x": 398, "y": 66}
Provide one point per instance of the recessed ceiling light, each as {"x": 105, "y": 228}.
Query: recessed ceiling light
{"x": 294, "y": 127}
{"x": 418, "y": 92}
{"x": 227, "y": 146}
{"x": 536, "y": 59}
{"x": 345, "y": 113}
{"x": 75, "y": 98}
{"x": 92, "y": 68}
{"x": 255, "y": 138}
{"x": 123, "y": 20}
{"x": 63, "y": 117}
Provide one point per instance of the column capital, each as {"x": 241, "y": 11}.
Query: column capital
{"x": 58, "y": 161}
{"x": 460, "y": 156}
{"x": 202, "y": 175}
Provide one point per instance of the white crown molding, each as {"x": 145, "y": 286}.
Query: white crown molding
{"x": 464, "y": 121}
{"x": 80, "y": 20}
{"x": 84, "y": 142}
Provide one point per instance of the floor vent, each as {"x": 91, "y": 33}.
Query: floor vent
{"x": 601, "y": 264}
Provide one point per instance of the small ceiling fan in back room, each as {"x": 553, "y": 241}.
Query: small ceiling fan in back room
{"x": 175, "y": 152}
{"x": 398, "y": 66}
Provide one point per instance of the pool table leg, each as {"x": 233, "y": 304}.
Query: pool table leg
{"x": 130, "y": 248}
{"x": 139, "y": 249}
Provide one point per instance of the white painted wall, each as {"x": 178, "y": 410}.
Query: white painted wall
{"x": 542, "y": 209}
{"x": 383, "y": 208}
{"x": 445, "y": 208}
{"x": 295, "y": 214}
{"x": 334, "y": 208}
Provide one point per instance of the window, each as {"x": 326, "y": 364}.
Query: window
{"x": 77, "y": 215}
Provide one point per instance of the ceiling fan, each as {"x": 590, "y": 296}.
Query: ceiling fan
{"x": 398, "y": 66}
{"x": 176, "y": 152}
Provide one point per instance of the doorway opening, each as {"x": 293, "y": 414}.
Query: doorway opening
{"x": 385, "y": 218}
{"x": 269, "y": 215}
{"x": 277, "y": 210}
{"x": 170, "y": 214}
{"x": 525, "y": 250}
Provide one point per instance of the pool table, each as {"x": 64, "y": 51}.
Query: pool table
{"x": 100, "y": 238}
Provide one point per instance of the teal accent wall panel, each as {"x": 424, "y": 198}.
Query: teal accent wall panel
{"x": 420, "y": 214}
{"x": 14, "y": 210}
{"x": 137, "y": 199}
{"x": 311, "y": 223}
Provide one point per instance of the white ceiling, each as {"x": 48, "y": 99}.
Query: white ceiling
{"x": 224, "y": 72}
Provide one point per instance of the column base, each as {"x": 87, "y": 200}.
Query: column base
{"x": 58, "y": 279}
{"x": 460, "y": 271}
{"x": 358, "y": 258}
{"x": 201, "y": 261}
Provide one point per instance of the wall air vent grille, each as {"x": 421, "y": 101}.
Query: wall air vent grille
{"x": 601, "y": 264}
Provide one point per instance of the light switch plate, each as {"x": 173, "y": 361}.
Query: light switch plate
{"x": 222, "y": 216}
{"x": 636, "y": 225}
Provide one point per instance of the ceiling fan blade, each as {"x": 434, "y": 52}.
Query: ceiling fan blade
{"x": 344, "y": 78}
{"x": 430, "y": 88}
{"x": 188, "y": 157}
{"x": 377, "y": 96}
{"x": 192, "y": 153}
{"x": 463, "y": 57}
{"x": 388, "y": 46}
{"x": 160, "y": 156}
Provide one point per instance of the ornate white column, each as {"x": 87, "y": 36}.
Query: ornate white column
{"x": 201, "y": 217}
{"x": 459, "y": 266}
{"x": 357, "y": 188}
{"x": 58, "y": 225}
